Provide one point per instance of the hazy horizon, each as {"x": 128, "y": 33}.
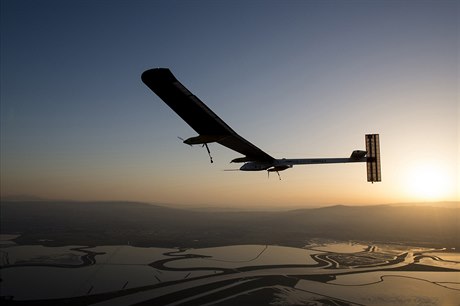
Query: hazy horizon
{"x": 61, "y": 223}
{"x": 231, "y": 207}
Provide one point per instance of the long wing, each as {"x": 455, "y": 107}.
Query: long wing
{"x": 202, "y": 119}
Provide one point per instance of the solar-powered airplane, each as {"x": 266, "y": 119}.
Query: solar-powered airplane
{"x": 211, "y": 128}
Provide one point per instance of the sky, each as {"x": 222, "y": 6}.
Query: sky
{"x": 298, "y": 79}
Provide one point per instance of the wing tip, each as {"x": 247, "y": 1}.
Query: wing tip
{"x": 155, "y": 75}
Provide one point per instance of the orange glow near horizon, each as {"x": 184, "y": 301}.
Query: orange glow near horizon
{"x": 299, "y": 187}
{"x": 429, "y": 181}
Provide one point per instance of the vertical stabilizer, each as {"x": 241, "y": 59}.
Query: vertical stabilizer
{"x": 373, "y": 158}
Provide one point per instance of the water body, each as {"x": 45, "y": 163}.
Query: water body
{"x": 323, "y": 272}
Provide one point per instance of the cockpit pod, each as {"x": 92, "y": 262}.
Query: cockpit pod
{"x": 255, "y": 166}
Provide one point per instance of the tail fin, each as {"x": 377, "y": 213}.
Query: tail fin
{"x": 373, "y": 158}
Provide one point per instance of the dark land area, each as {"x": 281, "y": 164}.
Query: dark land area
{"x": 59, "y": 223}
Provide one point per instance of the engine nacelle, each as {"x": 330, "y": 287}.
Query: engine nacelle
{"x": 202, "y": 139}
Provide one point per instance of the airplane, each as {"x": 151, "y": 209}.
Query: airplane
{"x": 211, "y": 128}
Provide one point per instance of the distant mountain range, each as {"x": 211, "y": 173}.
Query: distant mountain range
{"x": 119, "y": 223}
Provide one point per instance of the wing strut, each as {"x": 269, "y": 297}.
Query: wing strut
{"x": 209, "y": 152}
{"x": 277, "y": 172}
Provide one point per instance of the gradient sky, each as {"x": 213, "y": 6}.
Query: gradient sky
{"x": 296, "y": 78}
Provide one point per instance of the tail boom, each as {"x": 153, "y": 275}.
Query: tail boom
{"x": 371, "y": 157}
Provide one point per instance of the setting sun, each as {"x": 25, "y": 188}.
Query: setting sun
{"x": 429, "y": 182}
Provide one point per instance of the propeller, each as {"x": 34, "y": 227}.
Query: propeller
{"x": 183, "y": 140}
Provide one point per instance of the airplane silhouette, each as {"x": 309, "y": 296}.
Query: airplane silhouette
{"x": 211, "y": 128}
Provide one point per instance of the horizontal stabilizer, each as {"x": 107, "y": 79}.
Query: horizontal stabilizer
{"x": 373, "y": 158}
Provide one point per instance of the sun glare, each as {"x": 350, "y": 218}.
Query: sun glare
{"x": 428, "y": 182}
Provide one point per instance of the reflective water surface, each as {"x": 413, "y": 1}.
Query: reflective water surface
{"x": 323, "y": 272}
